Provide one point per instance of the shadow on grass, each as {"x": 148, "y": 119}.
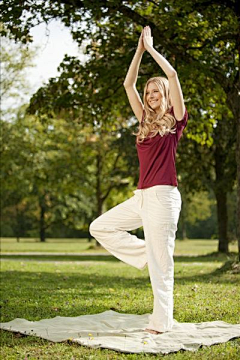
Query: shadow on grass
{"x": 35, "y": 298}
{"x": 211, "y": 257}
{"x": 85, "y": 283}
{"x": 35, "y": 295}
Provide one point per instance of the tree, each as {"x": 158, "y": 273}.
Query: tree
{"x": 198, "y": 37}
{"x": 74, "y": 90}
{"x": 16, "y": 59}
{"x": 212, "y": 158}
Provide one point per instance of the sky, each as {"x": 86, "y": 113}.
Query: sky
{"x": 53, "y": 42}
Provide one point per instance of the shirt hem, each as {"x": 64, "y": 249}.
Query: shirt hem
{"x": 151, "y": 185}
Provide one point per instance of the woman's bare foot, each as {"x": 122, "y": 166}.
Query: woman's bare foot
{"x": 153, "y": 331}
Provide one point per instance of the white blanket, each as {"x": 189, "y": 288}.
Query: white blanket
{"x": 125, "y": 332}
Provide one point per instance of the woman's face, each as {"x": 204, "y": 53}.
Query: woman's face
{"x": 153, "y": 96}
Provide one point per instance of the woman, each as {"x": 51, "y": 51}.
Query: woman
{"x": 156, "y": 203}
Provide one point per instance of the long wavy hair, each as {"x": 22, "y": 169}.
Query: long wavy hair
{"x": 162, "y": 121}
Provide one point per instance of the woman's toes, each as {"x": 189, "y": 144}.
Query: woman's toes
{"x": 153, "y": 331}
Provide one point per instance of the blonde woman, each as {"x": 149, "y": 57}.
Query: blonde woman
{"x": 156, "y": 202}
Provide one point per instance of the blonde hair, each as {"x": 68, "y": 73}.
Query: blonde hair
{"x": 161, "y": 122}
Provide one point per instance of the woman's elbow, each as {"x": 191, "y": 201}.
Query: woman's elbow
{"x": 127, "y": 84}
{"x": 172, "y": 74}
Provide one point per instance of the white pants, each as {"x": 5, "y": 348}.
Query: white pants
{"x": 157, "y": 209}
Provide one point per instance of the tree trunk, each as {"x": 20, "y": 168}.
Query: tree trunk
{"x": 222, "y": 221}
{"x": 17, "y": 221}
{"x": 238, "y": 185}
{"x": 42, "y": 222}
{"x": 237, "y": 114}
{"x": 183, "y": 222}
{"x": 99, "y": 213}
{"x": 99, "y": 200}
{"x": 233, "y": 99}
{"x": 221, "y": 188}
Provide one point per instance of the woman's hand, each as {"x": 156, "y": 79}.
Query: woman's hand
{"x": 140, "y": 43}
{"x": 147, "y": 38}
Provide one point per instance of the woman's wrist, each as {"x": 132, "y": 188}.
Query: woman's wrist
{"x": 140, "y": 51}
{"x": 149, "y": 48}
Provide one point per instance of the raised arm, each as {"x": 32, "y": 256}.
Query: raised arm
{"x": 131, "y": 80}
{"x": 174, "y": 84}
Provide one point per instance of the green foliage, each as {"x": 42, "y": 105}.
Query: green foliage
{"x": 200, "y": 39}
{"x": 60, "y": 168}
{"x": 39, "y": 169}
{"x": 199, "y": 208}
{"x": 16, "y": 60}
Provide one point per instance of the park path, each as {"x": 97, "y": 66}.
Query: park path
{"x": 56, "y": 253}
{"x": 43, "y": 254}
{"x": 62, "y": 254}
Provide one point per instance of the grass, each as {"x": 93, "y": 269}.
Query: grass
{"x": 51, "y": 245}
{"x": 196, "y": 246}
{"x": 205, "y": 290}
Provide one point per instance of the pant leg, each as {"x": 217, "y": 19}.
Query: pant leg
{"x": 110, "y": 230}
{"x": 162, "y": 209}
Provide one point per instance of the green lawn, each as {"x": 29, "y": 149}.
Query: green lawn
{"x": 51, "y": 245}
{"x": 205, "y": 290}
{"x": 197, "y": 247}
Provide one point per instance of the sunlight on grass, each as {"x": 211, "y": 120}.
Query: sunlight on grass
{"x": 195, "y": 246}
{"x": 205, "y": 289}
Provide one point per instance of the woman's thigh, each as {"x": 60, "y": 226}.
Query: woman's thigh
{"x": 124, "y": 216}
{"x": 164, "y": 206}
{"x": 160, "y": 225}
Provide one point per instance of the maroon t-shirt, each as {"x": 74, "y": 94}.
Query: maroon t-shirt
{"x": 157, "y": 155}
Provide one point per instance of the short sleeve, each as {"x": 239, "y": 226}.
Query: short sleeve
{"x": 180, "y": 124}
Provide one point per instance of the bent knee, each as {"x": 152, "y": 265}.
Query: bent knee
{"x": 93, "y": 228}
{"x": 99, "y": 227}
